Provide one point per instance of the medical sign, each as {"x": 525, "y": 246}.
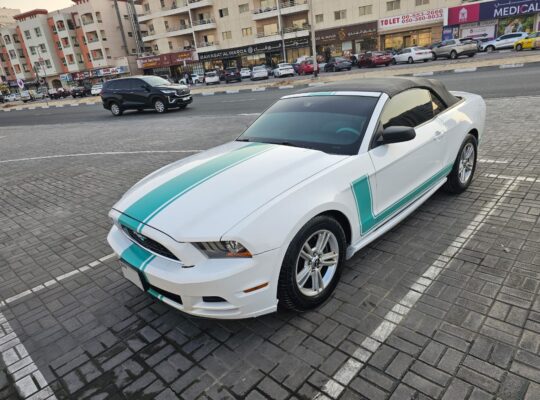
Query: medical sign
{"x": 496, "y": 9}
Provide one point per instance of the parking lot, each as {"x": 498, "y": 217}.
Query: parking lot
{"x": 445, "y": 306}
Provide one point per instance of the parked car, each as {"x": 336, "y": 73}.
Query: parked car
{"x": 259, "y": 72}
{"x": 306, "y": 67}
{"x": 2, "y": 98}
{"x": 454, "y": 48}
{"x": 332, "y": 184}
{"x": 195, "y": 79}
{"x": 80, "y": 91}
{"x": 27, "y": 95}
{"x": 96, "y": 89}
{"x": 57, "y": 93}
{"x": 143, "y": 92}
{"x": 232, "y": 75}
{"x": 530, "y": 42}
{"x": 245, "y": 73}
{"x": 283, "y": 70}
{"x": 503, "y": 42}
{"x": 337, "y": 64}
{"x": 411, "y": 55}
{"x": 374, "y": 58}
{"x": 296, "y": 67}
{"x": 211, "y": 78}
{"x": 13, "y": 97}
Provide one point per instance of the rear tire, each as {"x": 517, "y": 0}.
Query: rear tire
{"x": 453, "y": 55}
{"x": 394, "y": 62}
{"x": 159, "y": 106}
{"x": 490, "y": 49}
{"x": 433, "y": 56}
{"x": 116, "y": 110}
{"x": 519, "y": 47}
{"x": 410, "y": 60}
{"x": 464, "y": 167}
{"x": 471, "y": 55}
{"x": 310, "y": 273}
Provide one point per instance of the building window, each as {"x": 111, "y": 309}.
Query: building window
{"x": 16, "y": 38}
{"x": 243, "y": 8}
{"x": 162, "y": 3}
{"x": 12, "y": 54}
{"x": 422, "y": 2}
{"x": 170, "y": 46}
{"x": 38, "y": 32}
{"x": 146, "y": 7}
{"x": 151, "y": 28}
{"x": 33, "y": 49}
{"x": 341, "y": 14}
{"x": 70, "y": 59}
{"x": 64, "y": 62}
{"x": 223, "y": 12}
{"x": 365, "y": 10}
{"x": 27, "y": 35}
{"x": 42, "y": 48}
{"x": 226, "y": 35}
{"x": 17, "y": 68}
{"x": 319, "y": 18}
{"x": 156, "y": 48}
{"x": 25, "y": 68}
{"x": 21, "y": 53}
{"x": 48, "y": 63}
{"x": 393, "y": 5}
{"x": 130, "y": 34}
{"x": 247, "y": 31}
{"x": 7, "y": 39}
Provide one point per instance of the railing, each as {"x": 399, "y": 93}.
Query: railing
{"x": 204, "y": 22}
{"x": 87, "y": 21}
{"x": 207, "y": 44}
{"x": 296, "y": 28}
{"x": 264, "y": 34}
{"x": 178, "y": 28}
{"x": 292, "y": 3}
{"x": 264, "y": 10}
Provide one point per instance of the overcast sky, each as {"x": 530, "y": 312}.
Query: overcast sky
{"x": 27, "y": 5}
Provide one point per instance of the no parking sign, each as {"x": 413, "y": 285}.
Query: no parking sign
{"x": 20, "y": 83}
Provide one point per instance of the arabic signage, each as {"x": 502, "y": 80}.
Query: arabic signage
{"x": 164, "y": 60}
{"x": 254, "y": 49}
{"x": 463, "y": 14}
{"x": 346, "y": 33}
{"x": 96, "y": 73}
{"x": 415, "y": 18}
{"x": 508, "y": 8}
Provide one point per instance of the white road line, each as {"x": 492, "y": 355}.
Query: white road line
{"x": 492, "y": 161}
{"x": 2, "y": 137}
{"x": 208, "y": 93}
{"x": 232, "y": 91}
{"x": 460, "y": 70}
{"x": 260, "y": 89}
{"x": 333, "y": 388}
{"x": 316, "y": 84}
{"x": 505, "y": 66}
{"x": 249, "y": 114}
{"x": 106, "y": 153}
{"x": 423, "y": 73}
{"x": 286, "y": 87}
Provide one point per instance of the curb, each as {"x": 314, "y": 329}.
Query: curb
{"x": 305, "y": 85}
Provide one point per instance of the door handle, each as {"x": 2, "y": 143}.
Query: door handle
{"x": 438, "y": 135}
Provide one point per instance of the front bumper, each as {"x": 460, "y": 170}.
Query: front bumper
{"x": 175, "y": 100}
{"x": 197, "y": 289}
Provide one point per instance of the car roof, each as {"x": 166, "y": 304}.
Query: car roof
{"x": 389, "y": 85}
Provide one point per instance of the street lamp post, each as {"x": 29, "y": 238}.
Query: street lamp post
{"x": 313, "y": 45}
{"x": 281, "y": 33}
{"x": 40, "y": 65}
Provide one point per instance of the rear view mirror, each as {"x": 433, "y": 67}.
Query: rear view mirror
{"x": 397, "y": 134}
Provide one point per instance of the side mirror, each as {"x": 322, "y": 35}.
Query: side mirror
{"x": 397, "y": 134}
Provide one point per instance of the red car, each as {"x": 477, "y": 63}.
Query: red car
{"x": 306, "y": 67}
{"x": 374, "y": 58}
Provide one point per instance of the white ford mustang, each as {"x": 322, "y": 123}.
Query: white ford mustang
{"x": 270, "y": 218}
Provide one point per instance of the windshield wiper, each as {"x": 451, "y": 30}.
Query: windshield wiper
{"x": 243, "y": 140}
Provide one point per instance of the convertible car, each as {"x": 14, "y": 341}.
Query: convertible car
{"x": 268, "y": 220}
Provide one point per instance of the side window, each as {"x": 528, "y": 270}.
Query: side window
{"x": 411, "y": 108}
{"x": 450, "y": 42}
{"x": 438, "y": 105}
{"x": 110, "y": 85}
{"x": 135, "y": 84}
{"x": 503, "y": 37}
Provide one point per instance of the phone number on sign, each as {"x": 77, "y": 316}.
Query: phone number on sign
{"x": 411, "y": 18}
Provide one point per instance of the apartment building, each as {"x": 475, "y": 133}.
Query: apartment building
{"x": 89, "y": 41}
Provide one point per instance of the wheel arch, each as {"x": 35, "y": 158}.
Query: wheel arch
{"x": 342, "y": 219}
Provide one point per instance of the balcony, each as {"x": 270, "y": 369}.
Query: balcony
{"x": 294, "y": 32}
{"x": 263, "y": 13}
{"x": 204, "y": 24}
{"x": 294, "y": 6}
{"x": 207, "y": 46}
{"x": 263, "y": 37}
{"x": 200, "y": 3}
{"x": 170, "y": 32}
{"x": 176, "y": 8}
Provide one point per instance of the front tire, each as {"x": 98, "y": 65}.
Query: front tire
{"x": 464, "y": 167}
{"x": 453, "y": 55}
{"x": 490, "y": 49}
{"x": 410, "y": 60}
{"x": 519, "y": 47}
{"x": 116, "y": 110}
{"x": 159, "y": 106}
{"x": 312, "y": 264}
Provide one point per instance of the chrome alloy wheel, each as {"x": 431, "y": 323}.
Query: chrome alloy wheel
{"x": 466, "y": 163}
{"x": 115, "y": 109}
{"x": 317, "y": 263}
{"x": 159, "y": 106}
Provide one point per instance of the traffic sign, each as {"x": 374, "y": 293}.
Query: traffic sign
{"x": 20, "y": 83}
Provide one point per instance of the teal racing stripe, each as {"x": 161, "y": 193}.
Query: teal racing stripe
{"x": 149, "y": 205}
{"x": 155, "y": 294}
{"x": 137, "y": 257}
{"x": 361, "y": 189}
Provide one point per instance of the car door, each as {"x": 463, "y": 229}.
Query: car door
{"x": 138, "y": 92}
{"x": 407, "y": 170}
{"x": 505, "y": 41}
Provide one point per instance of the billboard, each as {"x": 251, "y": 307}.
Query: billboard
{"x": 523, "y": 23}
{"x": 463, "y": 14}
{"x": 508, "y": 8}
{"x": 411, "y": 19}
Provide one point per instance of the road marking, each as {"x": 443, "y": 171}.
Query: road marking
{"x": 505, "y": 66}
{"x": 232, "y": 91}
{"x": 74, "y": 105}
{"x": 492, "y": 161}
{"x": 335, "y": 386}
{"x": 106, "y": 153}
{"x": 286, "y": 87}
{"x": 460, "y": 70}
{"x": 260, "y": 89}
{"x": 208, "y": 93}
{"x": 237, "y": 101}
{"x": 423, "y": 74}
{"x": 316, "y": 84}
{"x": 250, "y": 114}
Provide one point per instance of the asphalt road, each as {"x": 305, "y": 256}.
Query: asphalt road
{"x": 490, "y": 84}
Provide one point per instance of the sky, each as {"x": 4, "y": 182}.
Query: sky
{"x": 27, "y": 5}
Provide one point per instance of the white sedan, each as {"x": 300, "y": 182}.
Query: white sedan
{"x": 269, "y": 219}
{"x": 284, "y": 70}
{"x": 259, "y": 72}
{"x": 211, "y": 78}
{"x": 411, "y": 55}
{"x": 245, "y": 73}
{"x": 96, "y": 89}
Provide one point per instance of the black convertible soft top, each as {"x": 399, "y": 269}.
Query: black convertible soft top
{"x": 390, "y": 85}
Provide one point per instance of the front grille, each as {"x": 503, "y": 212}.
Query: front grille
{"x": 149, "y": 244}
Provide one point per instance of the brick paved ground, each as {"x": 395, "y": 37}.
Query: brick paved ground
{"x": 473, "y": 334}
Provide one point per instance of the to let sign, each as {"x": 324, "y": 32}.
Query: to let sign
{"x": 406, "y": 20}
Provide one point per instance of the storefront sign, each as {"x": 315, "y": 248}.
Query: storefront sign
{"x": 164, "y": 60}
{"x": 463, "y": 14}
{"x": 478, "y": 32}
{"x": 66, "y": 77}
{"x": 416, "y": 18}
{"x": 149, "y": 62}
{"x": 13, "y": 83}
{"x": 450, "y": 32}
{"x": 508, "y": 8}
{"x": 254, "y": 49}
{"x": 346, "y": 33}
{"x": 181, "y": 56}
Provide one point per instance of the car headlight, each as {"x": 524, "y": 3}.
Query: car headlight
{"x": 224, "y": 249}
{"x": 168, "y": 91}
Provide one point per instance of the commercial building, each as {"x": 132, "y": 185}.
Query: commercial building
{"x": 84, "y": 43}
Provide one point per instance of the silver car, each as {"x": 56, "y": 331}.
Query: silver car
{"x": 503, "y": 42}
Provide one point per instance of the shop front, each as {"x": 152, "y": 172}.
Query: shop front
{"x": 347, "y": 40}
{"x": 172, "y": 65}
{"x": 414, "y": 29}
{"x": 248, "y": 56}
{"x": 86, "y": 78}
{"x": 485, "y": 21}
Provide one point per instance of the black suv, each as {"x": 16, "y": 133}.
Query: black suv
{"x": 232, "y": 74}
{"x": 143, "y": 92}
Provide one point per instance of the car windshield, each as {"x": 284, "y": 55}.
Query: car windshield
{"x": 211, "y": 74}
{"x": 333, "y": 124}
{"x": 284, "y": 65}
{"x": 261, "y": 68}
{"x": 155, "y": 81}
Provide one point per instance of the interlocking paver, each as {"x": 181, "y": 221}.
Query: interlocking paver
{"x": 473, "y": 334}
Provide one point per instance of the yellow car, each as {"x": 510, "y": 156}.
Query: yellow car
{"x": 530, "y": 42}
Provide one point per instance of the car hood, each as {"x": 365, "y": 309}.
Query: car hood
{"x": 203, "y": 196}
{"x": 171, "y": 87}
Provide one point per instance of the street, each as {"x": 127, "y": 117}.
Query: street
{"x": 86, "y": 332}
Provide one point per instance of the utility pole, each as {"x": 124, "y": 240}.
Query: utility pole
{"x": 40, "y": 65}
{"x": 313, "y": 45}
{"x": 280, "y": 27}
